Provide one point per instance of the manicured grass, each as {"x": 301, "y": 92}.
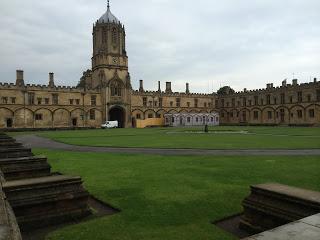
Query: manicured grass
{"x": 218, "y": 138}
{"x": 172, "y": 197}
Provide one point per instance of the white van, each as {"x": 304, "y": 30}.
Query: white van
{"x": 110, "y": 124}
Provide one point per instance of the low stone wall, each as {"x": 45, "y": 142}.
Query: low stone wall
{"x": 9, "y": 229}
{"x": 272, "y": 205}
{"x": 150, "y": 122}
{"x": 47, "y": 201}
{"x": 24, "y": 167}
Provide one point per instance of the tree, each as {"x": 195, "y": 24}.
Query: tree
{"x": 225, "y": 90}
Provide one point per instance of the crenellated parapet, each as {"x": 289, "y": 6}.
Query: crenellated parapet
{"x": 172, "y": 94}
{"x": 283, "y": 88}
{"x": 38, "y": 87}
{"x": 168, "y": 92}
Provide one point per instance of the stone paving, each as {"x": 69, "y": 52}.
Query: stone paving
{"x": 304, "y": 229}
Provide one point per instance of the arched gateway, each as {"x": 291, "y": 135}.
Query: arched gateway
{"x": 117, "y": 114}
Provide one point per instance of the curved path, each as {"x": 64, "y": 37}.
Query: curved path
{"x": 33, "y": 141}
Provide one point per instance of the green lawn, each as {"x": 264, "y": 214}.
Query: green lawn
{"x": 172, "y": 197}
{"x": 218, "y": 138}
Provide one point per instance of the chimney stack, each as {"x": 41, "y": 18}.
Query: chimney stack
{"x": 20, "y": 80}
{"x": 187, "y": 88}
{"x": 269, "y": 85}
{"x": 141, "y": 86}
{"x": 159, "y": 86}
{"x": 315, "y": 80}
{"x": 51, "y": 79}
{"x": 168, "y": 87}
{"x": 284, "y": 83}
{"x": 294, "y": 81}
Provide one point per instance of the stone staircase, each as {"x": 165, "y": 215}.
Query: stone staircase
{"x": 272, "y": 205}
{"x": 38, "y": 197}
{"x": 24, "y": 167}
{"x": 44, "y": 201}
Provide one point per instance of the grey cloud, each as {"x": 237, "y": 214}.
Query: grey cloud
{"x": 238, "y": 43}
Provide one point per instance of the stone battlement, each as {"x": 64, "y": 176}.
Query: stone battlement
{"x": 172, "y": 94}
{"x": 285, "y": 87}
{"x": 38, "y": 87}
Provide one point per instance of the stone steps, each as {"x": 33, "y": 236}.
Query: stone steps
{"x": 15, "y": 152}
{"x": 7, "y": 139}
{"x": 10, "y": 145}
{"x": 38, "y": 198}
{"x": 272, "y": 205}
{"x": 44, "y": 201}
{"x": 24, "y": 167}
{"x": 4, "y": 138}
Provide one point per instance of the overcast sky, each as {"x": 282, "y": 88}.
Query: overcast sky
{"x": 208, "y": 43}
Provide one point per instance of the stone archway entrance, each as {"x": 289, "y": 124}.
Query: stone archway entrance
{"x": 117, "y": 114}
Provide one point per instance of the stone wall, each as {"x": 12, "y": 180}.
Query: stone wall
{"x": 290, "y": 104}
{"x": 9, "y": 229}
{"x": 34, "y": 106}
{"x": 151, "y": 104}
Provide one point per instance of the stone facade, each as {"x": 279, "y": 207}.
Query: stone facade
{"x": 295, "y": 104}
{"x": 105, "y": 93}
{"x": 32, "y": 106}
{"x": 155, "y": 104}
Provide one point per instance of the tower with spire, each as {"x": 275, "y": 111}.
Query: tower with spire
{"x": 109, "y": 47}
{"x": 109, "y": 71}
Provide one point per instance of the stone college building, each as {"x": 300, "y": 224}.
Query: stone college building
{"x": 105, "y": 93}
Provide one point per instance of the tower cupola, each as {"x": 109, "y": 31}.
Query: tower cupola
{"x": 108, "y": 17}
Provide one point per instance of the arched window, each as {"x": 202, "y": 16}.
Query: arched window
{"x": 114, "y": 36}
{"x": 116, "y": 88}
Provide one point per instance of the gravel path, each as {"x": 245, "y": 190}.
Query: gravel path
{"x": 33, "y": 141}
